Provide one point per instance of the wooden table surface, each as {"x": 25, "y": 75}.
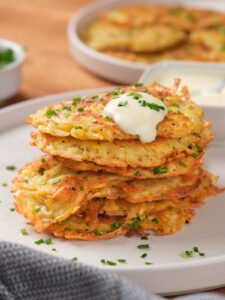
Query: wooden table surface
{"x": 40, "y": 25}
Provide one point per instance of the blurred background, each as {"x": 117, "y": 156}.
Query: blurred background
{"x": 40, "y": 26}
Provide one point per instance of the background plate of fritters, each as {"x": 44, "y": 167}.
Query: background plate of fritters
{"x": 170, "y": 274}
{"x": 111, "y": 53}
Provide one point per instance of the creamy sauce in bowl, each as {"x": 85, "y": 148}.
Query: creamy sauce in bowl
{"x": 137, "y": 113}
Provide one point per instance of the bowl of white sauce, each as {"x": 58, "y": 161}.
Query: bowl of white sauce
{"x": 196, "y": 76}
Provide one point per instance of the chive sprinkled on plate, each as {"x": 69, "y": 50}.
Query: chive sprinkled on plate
{"x": 57, "y": 181}
{"x": 121, "y": 260}
{"x": 138, "y": 84}
{"x": 196, "y": 249}
{"x": 148, "y": 263}
{"x": 12, "y": 209}
{"x": 94, "y": 96}
{"x": 74, "y": 259}
{"x": 48, "y": 241}
{"x": 144, "y": 255}
{"x": 41, "y": 170}
{"x": 80, "y": 108}
{"x": 134, "y": 224}
{"x": 103, "y": 261}
{"x": 199, "y": 148}
{"x": 81, "y": 188}
{"x": 4, "y": 184}
{"x": 43, "y": 160}
{"x": 78, "y": 127}
{"x": 111, "y": 263}
{"x": 54, "y": 249}
{"x": 65, "y": 221}
{"x": 39, "y": 242}
{"x": 23, "y": 231}
{"x": 123, "y": 103}
{"x": 37, "y": 209}
{"x": 10, "y": 168}
{"x": 202, "y": 254}
{"x": 145, "y": 246}
{"x": 144, "y": 238}
{"x": 195, "y": 155}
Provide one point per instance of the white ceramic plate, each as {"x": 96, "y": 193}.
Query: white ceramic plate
{"x": 170, "y": 274}
{"x": 108, "y": 67}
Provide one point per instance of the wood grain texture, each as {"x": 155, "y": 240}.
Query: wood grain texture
{"x": 40, "y": 25}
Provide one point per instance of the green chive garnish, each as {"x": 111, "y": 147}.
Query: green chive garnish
{"x": 199, "y": 148}
{"x": 54, "y": 249}
{"x": 182, "y": 163}
{"x": 12, "y": 209}
{"x": 4, "y": 184}
{"x": 23, "y": 231}
{"x": 143, "y": 217}
{"x": 43, "y": 160}
{"x": 144, "y": 255}
{"x": 57, "y": 181}
{"x": 80, "y": 109}
{"x": 148, "y": 263}
{"x": 111, "y": 263}
{"x": 41, "y": 170}
{"x": 81, "y": 188}
{"x": 38, "y": 242}
{"x": 122, "y": 260}
{"x": 10, "y": 168}
{"x": 195, "y": 249}
{"x": 103, "y": 261}
{"x": 78, "y": 127}
{"x": 50, "y": 112}
{"x": 37, "y": 209}
{"x": 48, "y": 241}
{"x": 160, "y": 170}
{"x": 65, "y": 221}
{"x": 124, "y": 103}
{"x": 145, "y": 246}
{"x": 202, "y": 254}
{"x": 94, "y": 96}
{"x": 155, "y": 220}
{"x": 138, "y": 84}
{"x": 74, "y": 259}
{"x": 67, "y": 229}
{"x": 144, "y": 238}
{"x": 136, "y": 173}
{"x": 195, "y": 155}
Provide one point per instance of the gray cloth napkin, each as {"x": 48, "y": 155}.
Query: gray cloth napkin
{"x": 28, "y": 274}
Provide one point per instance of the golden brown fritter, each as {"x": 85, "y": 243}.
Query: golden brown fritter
{"x": 83, "y": 118}
{"x": 48, "y": 193}
{"x": 103, "y": 35}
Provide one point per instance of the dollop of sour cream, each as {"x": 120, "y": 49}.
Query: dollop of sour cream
{"x": 137, "y": 113}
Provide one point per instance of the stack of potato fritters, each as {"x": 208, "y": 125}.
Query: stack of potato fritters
{"x": 98, "y": 182}
{"x": 150, "y": 33}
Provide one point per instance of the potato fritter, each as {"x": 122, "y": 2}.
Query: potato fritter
{"x": 48, "y": 192}
{"x": 83, "y": 118}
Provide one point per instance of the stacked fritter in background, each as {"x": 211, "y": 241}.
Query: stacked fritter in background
{"x": 150, "y": 33}
{"x": 98, "y": 182}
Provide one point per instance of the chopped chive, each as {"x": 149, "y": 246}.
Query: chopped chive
{"x": 78, "y": 127}
{"x": 48, "y": 241}
{"x": 144, "y": 255}
{"x": 134, "y": 224}
{"x": 55, "y": 147}
{"x": 192, "y": 147}
{"x": 115, "y": 226}
{"x": 144, "y": 238}
{"x": 74, "y": 259}
{"x": 169, "y": 110}
{"x": 43, "y": 181}
{"x": 111, "y": 263}
{"x": 41, "y": 170}
{"x": 103, "y": 261}
{"x": 81, "y": 188}
{"x": 160, "y": 170}
{"x": 53, "y": 217}
{"x": 4, "y": 184}
{"x": 202, "y": 254}
{"x": 138, "y": 84}
{"x": 195, "y": 155}
{"x": 155, "y": 220}
{"x": 66, "y": 107}
{"x": 54, "y": 249}
{"x": 179, "y": 112}
{"x": 25, "y": 180}
{"x": 80, "y": 108}
{"x": 145, "y": 246}
{"x": 50, "y": 112}
{"x": 10, "y": 168}
{"x": 189, "y": 253}
{"x": 38, "y": 242}
{"x": 176, "y": 105}
{"x": 124, "y": 103}
{"x": 80, "y": 230}
{"x": 148, "y": 263}
{"x": 65, "y": 221}
{"x": 122, "y": 260}
{"x": 23, "y": 231}
{"x": 12, "y": 209}
{"x": 37, "y": 209}
{"x": 43, "y": 160}
{"x": 117, "y": 92}
{"x": 143, "y": 217}
{"x": 155, "y": 106}
{"x": 195, "y": 249}
{"x": 199, "y": 148}
{"x": 77, "y": 99}
{"x": 94, "y": 96}
{"x": 67, "y": 229}
{"x": 105, "y": 117}
{"x": 145, "y": 90}
{"x": 136, "y": 173}
{"x": 57, "y": 181}
{"x": 182, "y": 163}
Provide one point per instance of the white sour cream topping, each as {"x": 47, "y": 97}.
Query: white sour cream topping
{"x": 137, "y": 116}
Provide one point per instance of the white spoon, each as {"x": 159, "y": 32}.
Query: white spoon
{"x": 215, "y": 88}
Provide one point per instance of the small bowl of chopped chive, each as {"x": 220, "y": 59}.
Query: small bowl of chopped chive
{"x": 12, "y": 56}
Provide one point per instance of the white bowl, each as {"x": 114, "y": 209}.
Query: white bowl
{"x": 111, "y": 68}
{"x": 10, "y": 75}
{"x": 214, "y": 113}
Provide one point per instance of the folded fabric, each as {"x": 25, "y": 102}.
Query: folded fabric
{"x": 28, "y": 274}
